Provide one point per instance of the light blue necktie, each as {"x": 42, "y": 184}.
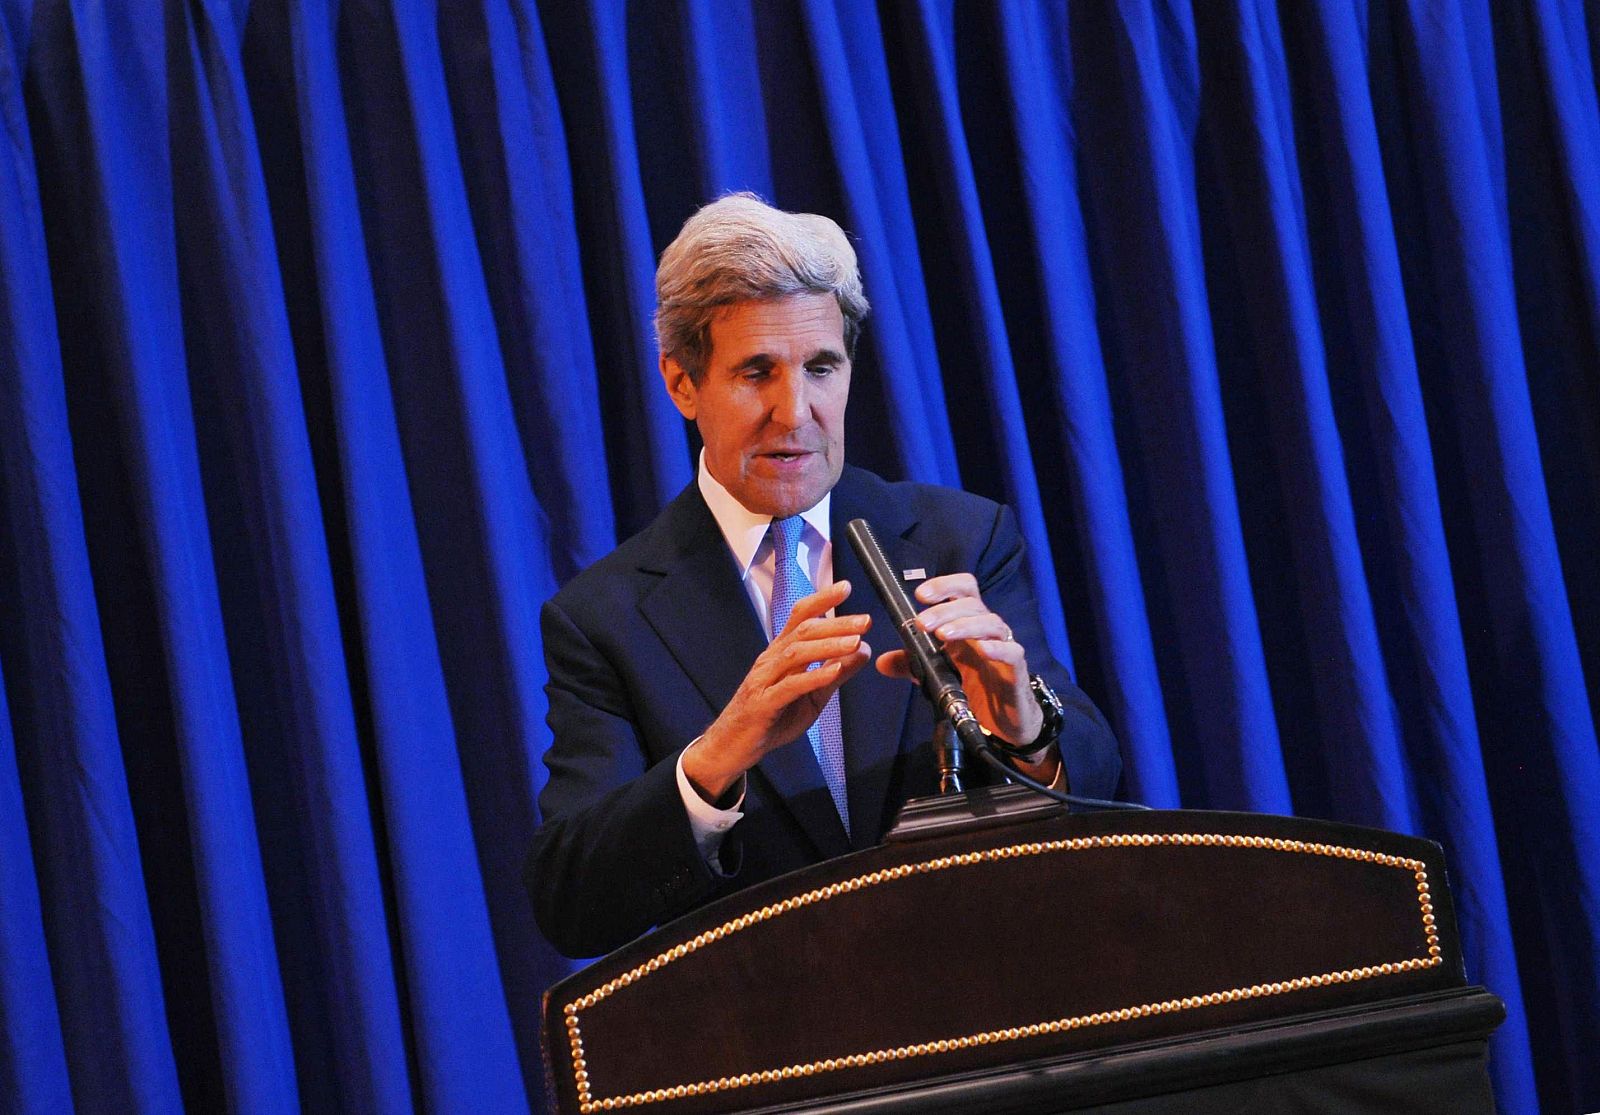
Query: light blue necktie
{"x": 789, "y": 585}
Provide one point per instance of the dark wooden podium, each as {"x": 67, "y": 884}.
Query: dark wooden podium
{"x": 1119, "y": 962}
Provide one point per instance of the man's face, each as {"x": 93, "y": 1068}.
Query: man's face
{"x": 770, "y": 406}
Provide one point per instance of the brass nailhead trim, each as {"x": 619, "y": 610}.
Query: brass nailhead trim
{"x": 587, "y": 1104}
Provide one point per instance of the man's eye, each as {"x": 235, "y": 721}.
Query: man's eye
{"x": 821, "y": 370}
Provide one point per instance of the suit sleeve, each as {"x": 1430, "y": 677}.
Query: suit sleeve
{"x": 1088, "y": 748}
{"x": 614, "y": 855}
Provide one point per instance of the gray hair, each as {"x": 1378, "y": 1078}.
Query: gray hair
{"x": 738, "y": 249}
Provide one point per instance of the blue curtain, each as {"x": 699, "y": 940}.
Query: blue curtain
{"x": 325, "y": 356}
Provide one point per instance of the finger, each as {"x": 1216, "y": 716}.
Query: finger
{"x": 819, "y": 683}
{"x": 1002, "y": 651}
{"x": 791, "y": 687}
{"x": 796, "y": 650}
{"x": 930, "y": 619}
{"x": 825, "y": 627}
{"x": 815, "y": 641}
{"x": 850, "y": 666}
{"x": 984, "y": 625}
{"x": 947, "y": 587}
{"x": 802, "y": 652}
{"x": 816, "y": 687}
{"x": 894, "y": 664}
{"x": 853, "y": 664}
{"x": 818, "y": 603}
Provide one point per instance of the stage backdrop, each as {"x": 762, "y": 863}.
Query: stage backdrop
{"x": 326, "y": 356}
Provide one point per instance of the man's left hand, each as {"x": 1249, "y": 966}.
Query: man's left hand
{"x": 992, "y": 664}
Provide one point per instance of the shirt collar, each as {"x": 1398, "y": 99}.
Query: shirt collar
{"x": 745, "y": 529}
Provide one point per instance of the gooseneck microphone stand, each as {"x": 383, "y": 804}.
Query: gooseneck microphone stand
{"x": 947, "y": 753}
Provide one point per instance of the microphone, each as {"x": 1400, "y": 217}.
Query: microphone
{"x": 939, "y": 680}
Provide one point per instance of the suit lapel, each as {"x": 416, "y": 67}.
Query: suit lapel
{"x": 699, "y": 608}
{"x": 703, "y": 614}
{"x": 872, "y": 707}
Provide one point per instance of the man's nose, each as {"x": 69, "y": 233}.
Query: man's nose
{"x": 791, "y": 400}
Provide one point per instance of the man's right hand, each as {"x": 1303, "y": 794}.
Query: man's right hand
{"x": 780, "y": 698}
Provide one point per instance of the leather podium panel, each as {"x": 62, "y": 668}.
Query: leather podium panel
{"x": 974, "y": 950}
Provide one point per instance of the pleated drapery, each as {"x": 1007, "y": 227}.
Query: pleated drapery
{"x": 326, "y": 356}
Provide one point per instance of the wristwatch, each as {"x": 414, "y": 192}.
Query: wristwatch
{"x": 1055, "y": 717}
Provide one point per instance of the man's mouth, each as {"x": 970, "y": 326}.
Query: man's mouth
{"x": 788, "y": 454}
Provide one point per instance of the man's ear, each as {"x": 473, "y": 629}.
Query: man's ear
{"x": 680, "y": 387}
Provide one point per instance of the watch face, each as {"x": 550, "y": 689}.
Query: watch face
{"x": 1050, "y": 706}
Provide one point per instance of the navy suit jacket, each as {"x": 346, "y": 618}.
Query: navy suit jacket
{"x": 648, "y": 645}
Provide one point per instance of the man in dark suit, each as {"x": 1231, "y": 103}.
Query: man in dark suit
{"x": 714, "y": 725}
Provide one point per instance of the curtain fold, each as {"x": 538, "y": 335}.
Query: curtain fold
{"x": 1145, "y": 108}
{"x": 326, "y": 355}
{"x": 646, "y": 445}
{"x": 516, "y": 174}
{"x": 107, "y": 183}
{"x": 371, "y": 346}
{"x": 1385, "y": 433}
{"x": 1059, "y": 344}
{"x": 1275, "y": 366}
{"x": 857, "y": 105}
{"x": 279, "y": 603}
{"x": 33, "y": 1060}
{"x": 1527, "y": 676}
{"x": 967, "y": 307}
{"x": 97, "y": 930}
